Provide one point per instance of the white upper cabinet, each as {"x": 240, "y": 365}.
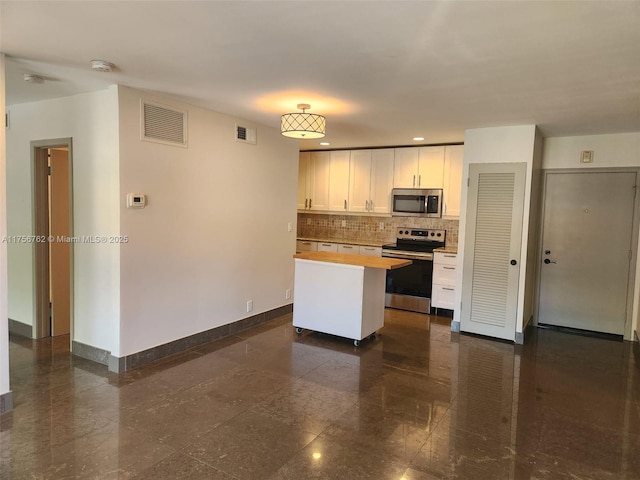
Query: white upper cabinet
{"x": 381, "y": 180}
{"x": 452, "y": 180}
{"x": 319, "y": 168}
{"x": 405, "y": 172}
{"x": 419, "y": 167}
{"x": 359, "y": 180}
{"x": 371, "y": 180}
{"x": 304, "y": 186}
{"x": 339, "y": 181}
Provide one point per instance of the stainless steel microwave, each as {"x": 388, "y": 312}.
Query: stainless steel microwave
{"x": 416, "y": 202}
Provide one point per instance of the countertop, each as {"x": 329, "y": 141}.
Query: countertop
{"x": 357, "y": 260}
{"x": 365, "y": 243}
{"x": 450, "y": 250}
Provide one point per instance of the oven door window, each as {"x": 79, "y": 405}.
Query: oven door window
{"x": 409, "y": 203}
{"x": 414, "y": 279}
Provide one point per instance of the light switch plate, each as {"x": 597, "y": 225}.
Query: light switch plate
{"x": 586, "y": 156}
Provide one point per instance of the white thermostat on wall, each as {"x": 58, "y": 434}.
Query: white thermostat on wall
{"x": 136, "y": 200}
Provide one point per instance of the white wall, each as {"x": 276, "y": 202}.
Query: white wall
{"x": 4, "y": 324}
{"x": 616, "y": 150}
{"x": 214, "y": 234}
{"x": 499, "y": 145}
{"x": 91, "y": 120}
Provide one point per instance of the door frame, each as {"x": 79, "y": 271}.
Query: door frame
{"x": 40, "y": 215}
{"x": 628, "y": 333}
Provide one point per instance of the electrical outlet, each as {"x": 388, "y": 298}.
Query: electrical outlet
{"x": 308, "y": 221}
{"x": 289, "y": 227}
{"x": 287, "y": 294}
{"x": 586, "y": 156}
{"x": 343, "y": 223}
{"x": 381, "y": 225}
{"x": 249, "y": 305}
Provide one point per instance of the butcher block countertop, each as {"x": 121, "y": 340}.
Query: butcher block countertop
{"x": 357, "y": 260}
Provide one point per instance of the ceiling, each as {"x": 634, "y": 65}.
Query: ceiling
{"x": 382, "y": 72}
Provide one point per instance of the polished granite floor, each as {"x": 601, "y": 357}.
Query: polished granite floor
{"x": 416, "y": 403}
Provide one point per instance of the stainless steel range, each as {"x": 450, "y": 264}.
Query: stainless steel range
{"x": 409, "y": 288}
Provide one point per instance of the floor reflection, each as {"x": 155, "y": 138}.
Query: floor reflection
{"x": 414, "y": 403}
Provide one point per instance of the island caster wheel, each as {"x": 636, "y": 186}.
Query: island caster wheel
{"x": 356, "y": 343}
{"x": 373, "y": 336}
{"x": 298, "y": 330}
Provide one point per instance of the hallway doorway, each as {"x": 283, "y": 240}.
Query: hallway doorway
{"x": 52, "y": 173}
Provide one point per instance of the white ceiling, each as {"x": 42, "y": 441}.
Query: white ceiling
{"x": 382, "y": 72}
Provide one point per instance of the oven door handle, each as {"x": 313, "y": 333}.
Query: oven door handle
{"x": 409, "y": 256}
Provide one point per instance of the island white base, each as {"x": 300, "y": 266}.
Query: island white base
{"x": 339, "y": 299}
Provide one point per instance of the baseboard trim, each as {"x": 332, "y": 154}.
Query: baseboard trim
{"x": 455, "y": 327}
{"x": 89, "y": 352}
{"x": 128, "y": 362}
{"x": 519, "y": 339}
{"x": 6, "y": 402}
{"x": 20, "y": 329}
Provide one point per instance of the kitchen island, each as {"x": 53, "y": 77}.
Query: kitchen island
{"x": 341, "y": 294}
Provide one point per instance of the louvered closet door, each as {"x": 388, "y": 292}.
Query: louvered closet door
{"x": 495, "y": 204}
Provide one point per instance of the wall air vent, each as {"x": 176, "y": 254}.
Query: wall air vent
{"x": 163, "y": 124}
{"x": 245, "y": 134}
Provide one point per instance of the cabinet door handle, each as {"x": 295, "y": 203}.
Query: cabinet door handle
{"x": 306, "y": 201}
{"x": 449, "y": 289}
{"x": 345, "y": 204}
{"x": 419, "y": 180}
{"x": 368, "y": 248}
{"x": 366, "y": 205}
{"x": 347, "y": 246}
{"x": 371, "y": 205}
{"x": 449, "y": 256}
{"x": 326, "y": 244}
{"x": 449, "y": 268}
{"x": 309, "y": 203}
{"x": 414, "y": 181}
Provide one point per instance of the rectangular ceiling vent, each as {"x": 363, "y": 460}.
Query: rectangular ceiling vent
{"x": 163, "y": 124}
{"x": 245, "y": 134}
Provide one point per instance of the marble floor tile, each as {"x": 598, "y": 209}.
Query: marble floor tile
{"x": 415, "y": 403}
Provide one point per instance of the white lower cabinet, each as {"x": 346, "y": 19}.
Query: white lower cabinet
{"x": 372, "y": 251}
{"x": 443, "y": 291}
{"x": 352, "y": 249}
{"x": 327, "y": 247}
{"x": 306, "y": 246}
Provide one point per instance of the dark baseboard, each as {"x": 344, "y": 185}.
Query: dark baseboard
{"x": 94, "y": 354}
{"x": 636, "y": 348}
{"x": 6, "y": 402}
{"x": 128, "y": 362}
{"x": 20, "y": 329}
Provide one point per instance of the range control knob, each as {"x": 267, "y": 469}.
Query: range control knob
{"x": 438, "y": 234}
{"x": 432, "y": 234}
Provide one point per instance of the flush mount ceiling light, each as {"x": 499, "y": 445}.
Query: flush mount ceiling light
{"x": 418, "y": 139}
{"x": 102, "y": 66}
{"x": 33, "y": 78}
{"x": 302, "y": 125}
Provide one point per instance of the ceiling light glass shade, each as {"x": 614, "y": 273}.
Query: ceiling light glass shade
{"x": 303, "y": 125}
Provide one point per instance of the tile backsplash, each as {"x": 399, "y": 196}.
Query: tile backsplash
{"x": 361, "y": 228}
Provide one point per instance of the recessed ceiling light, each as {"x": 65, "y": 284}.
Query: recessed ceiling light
{"x": 417, "y": 139}
{"x": 33, "y": 78}
{"x": 102, "y": 65}
{"x": 324, "y": 144}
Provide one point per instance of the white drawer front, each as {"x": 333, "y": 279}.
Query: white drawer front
{"x": 444, "y": 274}
{"x": 372, "y": 251}
{"x": 443, "y": 296}
{"x": 445, "y": 258}
{"x": 327, "y": 247}
{"x": 305, "y": 246}
{"x": 352, "y": 249}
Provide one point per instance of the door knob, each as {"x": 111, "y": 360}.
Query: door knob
{"x": 547, "y": 252}
{"x": 547, "y": 261}
{"x": 513, "y": 262}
